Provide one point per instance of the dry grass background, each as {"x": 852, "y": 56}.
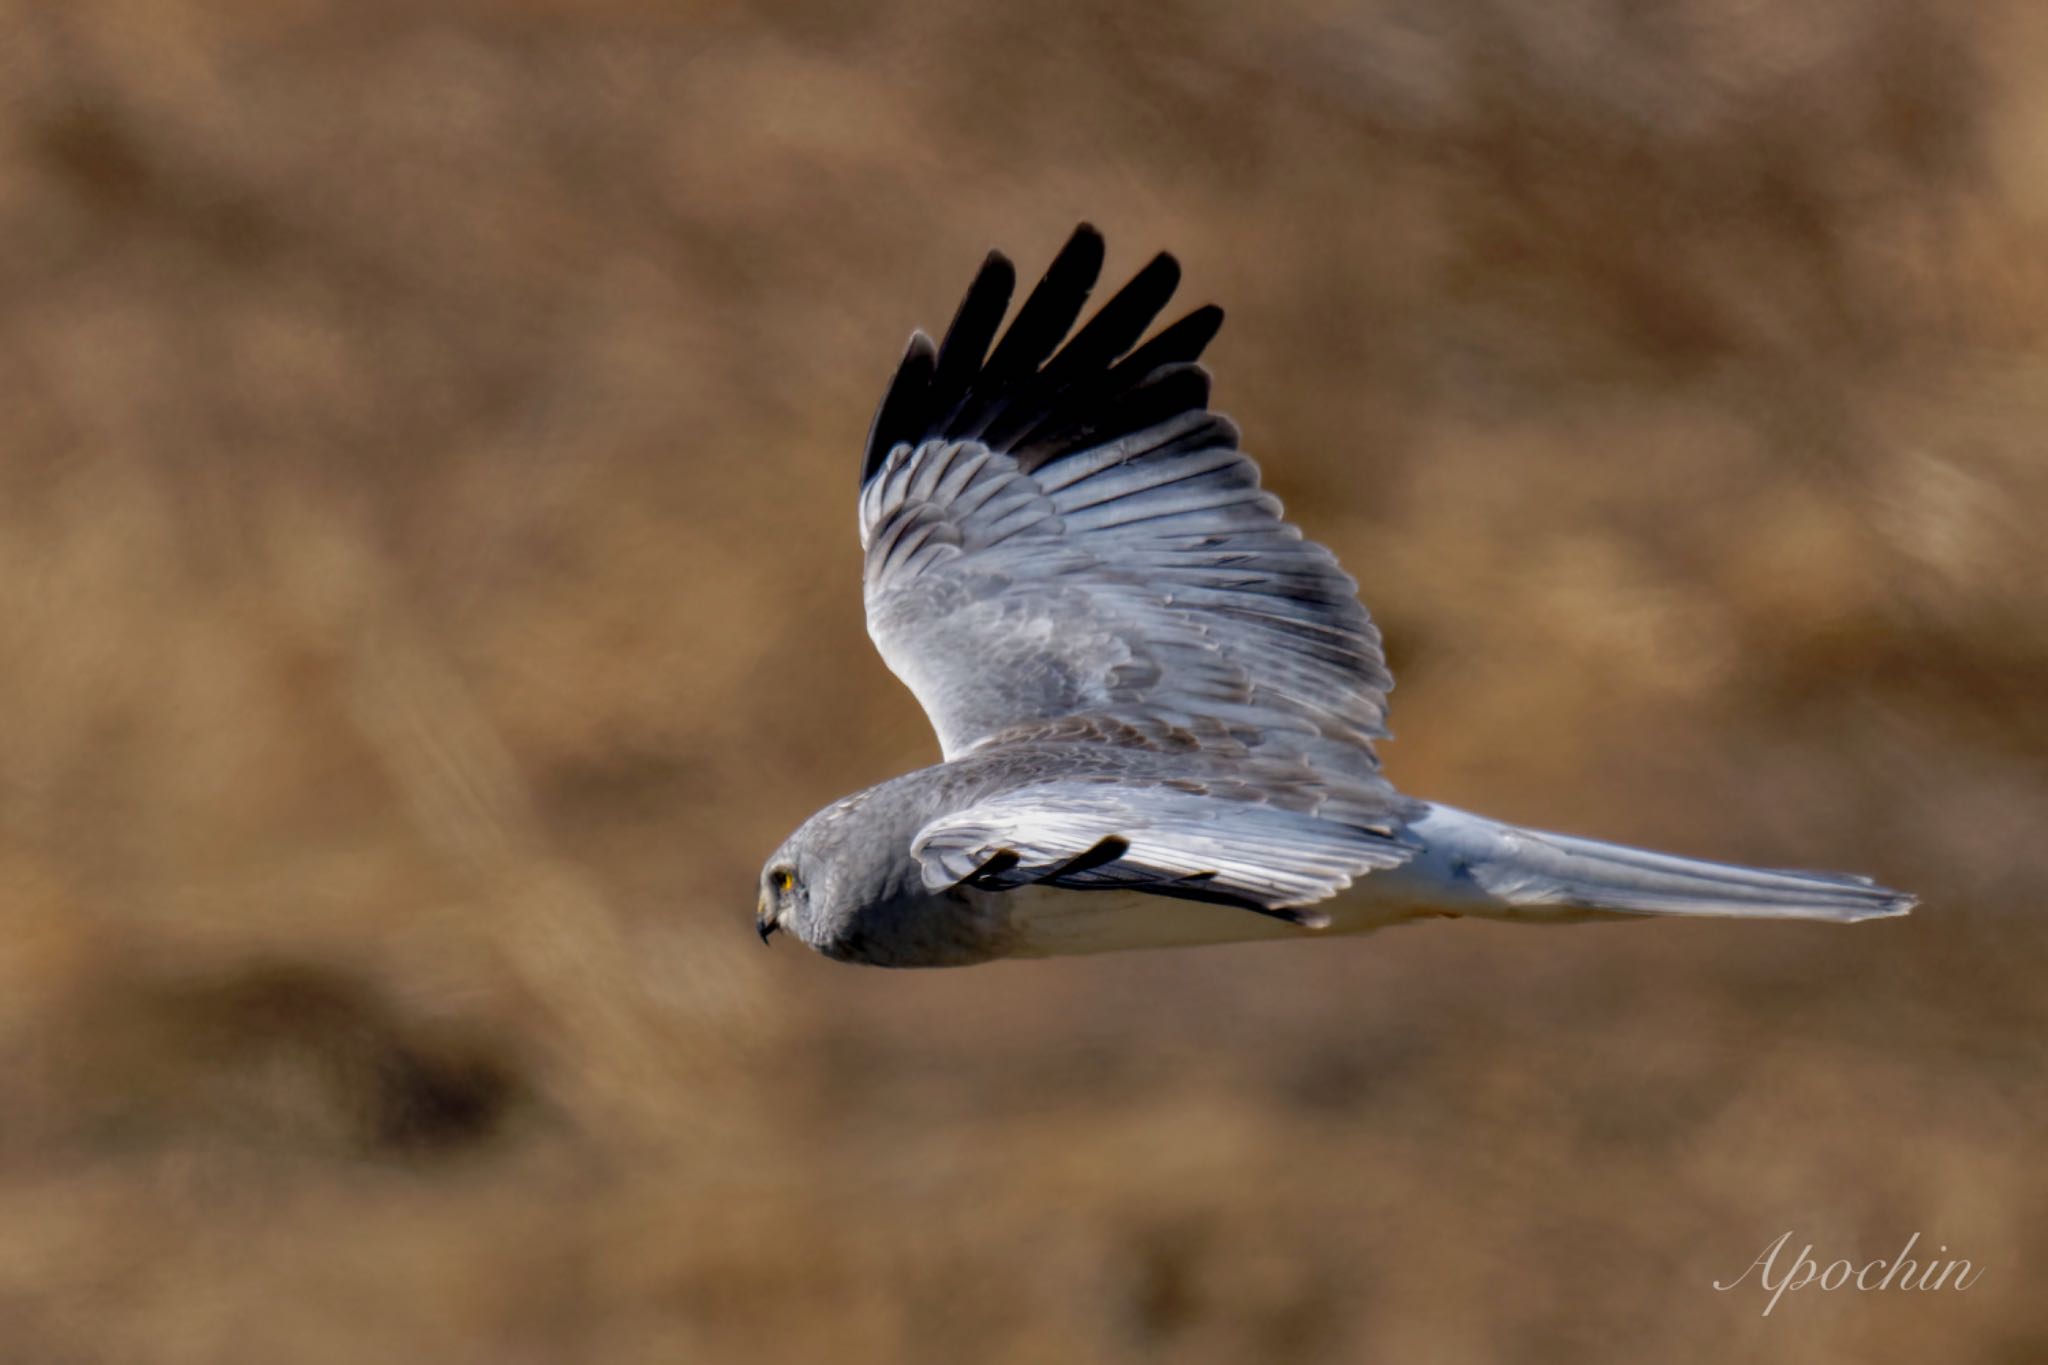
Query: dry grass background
{"x": 428, "y": 588}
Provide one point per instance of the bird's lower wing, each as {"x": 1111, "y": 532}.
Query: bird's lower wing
{"x": 1156, "y": 840}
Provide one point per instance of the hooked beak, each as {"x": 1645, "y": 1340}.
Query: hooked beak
{"x": 764, "y": 920}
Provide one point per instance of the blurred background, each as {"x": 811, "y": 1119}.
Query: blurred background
{"x": 428, "y": 589}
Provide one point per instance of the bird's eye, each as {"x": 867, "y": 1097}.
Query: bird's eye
{"x": 782, "y": 879}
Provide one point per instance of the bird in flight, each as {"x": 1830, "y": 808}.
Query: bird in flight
{"x": 1156, "y": 700}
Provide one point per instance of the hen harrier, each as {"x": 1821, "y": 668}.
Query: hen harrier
{"x": 1156, "y": 701}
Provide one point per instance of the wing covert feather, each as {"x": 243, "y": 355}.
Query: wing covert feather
{"x": 1152, "y": 838}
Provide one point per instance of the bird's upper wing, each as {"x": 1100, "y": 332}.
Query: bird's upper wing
{"x": 1164, "y": 838}
{"x": 1055, "y": 531}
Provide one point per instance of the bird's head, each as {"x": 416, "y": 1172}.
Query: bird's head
{"x": 847, "y": 885}
{"x": 785, "y": 894}
{"x": 841, "y": 861}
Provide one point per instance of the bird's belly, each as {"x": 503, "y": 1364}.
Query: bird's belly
{"x": 1047, "y": 922}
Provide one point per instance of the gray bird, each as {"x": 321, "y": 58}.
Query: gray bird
{"x": 1156, "y": 701}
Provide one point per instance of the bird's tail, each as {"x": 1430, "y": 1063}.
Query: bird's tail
{"x": 1524, "y": 873}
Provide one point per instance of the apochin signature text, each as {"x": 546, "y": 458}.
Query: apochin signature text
{"x": 1900, "y": 1272}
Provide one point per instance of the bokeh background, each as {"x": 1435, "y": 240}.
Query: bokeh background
{"x": 428, "y": 589}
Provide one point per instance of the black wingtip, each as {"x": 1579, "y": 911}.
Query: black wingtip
{"x": 1179, "y": 342}
{"x": 988, "y": 876}
{"x": 974, "y": 326}
{"x": 904, "y": 406}
{"x": 1050, "y": 309}
{"x": 1106, "y": 851}
{"x": 1034, "y": 389}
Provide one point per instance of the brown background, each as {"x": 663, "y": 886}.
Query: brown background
{"x": 428, "y": 590}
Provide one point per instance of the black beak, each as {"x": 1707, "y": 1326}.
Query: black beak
{"x": 764, "y": 923}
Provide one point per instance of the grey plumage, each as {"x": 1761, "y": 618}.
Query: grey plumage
{"x": 1155, "y": 699}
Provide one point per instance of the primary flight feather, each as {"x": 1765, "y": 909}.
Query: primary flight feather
{"x": 1155, "y": 700}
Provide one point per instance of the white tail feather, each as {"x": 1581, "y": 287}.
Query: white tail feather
{"x": 1483, "y": 865}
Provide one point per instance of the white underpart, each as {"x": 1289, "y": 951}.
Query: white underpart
{"x": 1466, "y": 865}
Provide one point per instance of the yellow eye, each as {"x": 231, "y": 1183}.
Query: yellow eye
{"x": 782, "y": 879}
